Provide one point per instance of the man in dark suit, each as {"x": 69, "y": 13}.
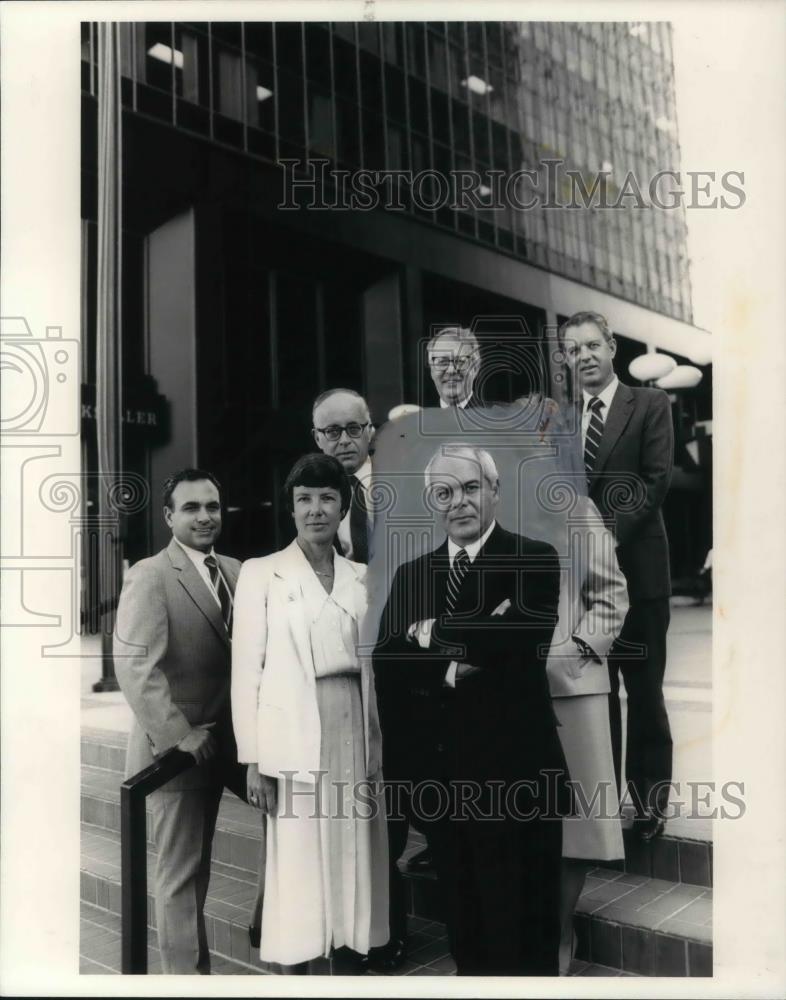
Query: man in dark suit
{"x": 343, "y": 428}
{"x": 628, "y": 448}
{"x": 467, "y": 721}
{"x": 172, "y": 660}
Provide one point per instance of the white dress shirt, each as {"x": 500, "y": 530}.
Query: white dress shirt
{"x": 198, "y": 557}
{"x": 605, "y": 397}
{"x": 344, "y": 537}
{"x": 449, "y": 406}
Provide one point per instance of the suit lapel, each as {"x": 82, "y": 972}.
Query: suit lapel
{"x": 619, "y": 414}
{"x": 436, "y": 582}
{"x": 196, "y": 588}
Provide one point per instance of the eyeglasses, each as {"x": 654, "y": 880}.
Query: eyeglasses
{"x": 333, "y": 431}
{"x": 442, "y": 361}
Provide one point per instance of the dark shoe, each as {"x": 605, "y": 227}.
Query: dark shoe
{"x": 389, "y": 957}
{"x": 254, "y": 935}
{"x": 421, "y": 862}
{"x": 347, "y": 962}
{"x": 650, "y": 827}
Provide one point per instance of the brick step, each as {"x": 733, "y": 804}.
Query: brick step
{"x": 643, "y": 926}
{"x": 230, "y": 897}
{"x": 99, "y": 947}
{"x": 683, "y": 854}
{"x": 625, "y": 922}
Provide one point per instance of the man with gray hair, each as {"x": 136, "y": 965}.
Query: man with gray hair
{"x": 467, "y": 719}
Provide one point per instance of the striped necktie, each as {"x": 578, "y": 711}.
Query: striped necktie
{"x": 222, "y": 590}
{"x": 594, "y": 434}
{"x": 458, "y": 571}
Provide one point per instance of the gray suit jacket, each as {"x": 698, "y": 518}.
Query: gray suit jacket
{"x": 172, "y": 660}
{"x": 592, "y": 606}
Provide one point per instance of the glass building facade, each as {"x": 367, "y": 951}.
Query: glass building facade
{"x": 445, "y": 96}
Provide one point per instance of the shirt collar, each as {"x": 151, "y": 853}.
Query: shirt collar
{"x": 473, "y": 548}
{"x": 196, "y": 556}
{"x": 364, "y": 472}
{"x": 449, "y": 406}
{"x": 606, "y": 396}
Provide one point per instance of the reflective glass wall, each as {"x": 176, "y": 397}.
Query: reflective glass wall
{"x": 444, "y": 96}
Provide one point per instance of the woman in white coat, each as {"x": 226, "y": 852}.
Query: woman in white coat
{"x": 305, "y": 719}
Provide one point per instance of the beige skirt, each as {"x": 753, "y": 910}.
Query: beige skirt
{"x": 596, "y": 832}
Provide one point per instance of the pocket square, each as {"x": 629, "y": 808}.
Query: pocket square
{"x": 502, "y": 608}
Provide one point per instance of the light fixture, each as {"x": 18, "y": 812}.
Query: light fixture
{"x": 477, "y": 86}
{"x": 164, "y": 54}
{"x": 263, "y": 93}
{"x": 682, "y": 377}
{"x": 647, "y": 367}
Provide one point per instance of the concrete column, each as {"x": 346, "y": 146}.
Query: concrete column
{"x": 172, "y": 340}
{"x": 382, "y": 341}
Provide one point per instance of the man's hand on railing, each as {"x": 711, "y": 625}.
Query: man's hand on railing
{"x": 200, "y": 743}
{"x": 262, "y": 790}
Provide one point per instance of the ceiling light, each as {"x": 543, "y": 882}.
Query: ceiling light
{"x": 477, "y": 86}
{"x": 164, "y": 54}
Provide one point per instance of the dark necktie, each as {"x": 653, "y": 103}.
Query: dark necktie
{"x": 358, "y": 522}
{"x": 594, "y": 434}
{"x": 458, "y": 571}
{"x": 220, "y": 587}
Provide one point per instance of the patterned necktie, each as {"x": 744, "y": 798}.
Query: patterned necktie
{"x": 458, "y": 571}
{"x": 221, "y": 589}
{"x": 594, "y": 434}
{"x": 358, "y": 522}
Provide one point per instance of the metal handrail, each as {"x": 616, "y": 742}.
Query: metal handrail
{"x": 133, "y": 854}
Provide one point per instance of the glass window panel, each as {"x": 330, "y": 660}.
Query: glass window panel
{"x": 438, "y": 67}
{"x": 416, "y": 54}
{"x": 344, "y": 69}
{"x": 368, "y": 36}
{"x": 318, "y": 54}
{"x": 373, "y": 141}
{"x": 394, "y": 93}
{"x": 440, "y": 120}
{"x": 371, "y": 81}
{"x": 259, "y": 39}
{"x": 320, "y": 123}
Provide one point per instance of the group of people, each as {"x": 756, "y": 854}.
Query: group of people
{"x": 485, "y": 711}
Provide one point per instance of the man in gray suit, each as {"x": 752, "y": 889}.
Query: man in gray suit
{"x": 172, "y": 660}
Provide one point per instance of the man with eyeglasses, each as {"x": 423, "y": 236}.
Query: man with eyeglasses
{"x": 343, "y": 428}
{"x": 453, "y": 357}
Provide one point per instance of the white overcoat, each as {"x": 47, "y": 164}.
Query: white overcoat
{"x": 277, "y": 725}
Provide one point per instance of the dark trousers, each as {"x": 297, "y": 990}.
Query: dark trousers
{"x": 649, "y": 747}
{"x": 499, "y": 881}
{"x": 400, "y": 817}
{"x": 498, "y": 877}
